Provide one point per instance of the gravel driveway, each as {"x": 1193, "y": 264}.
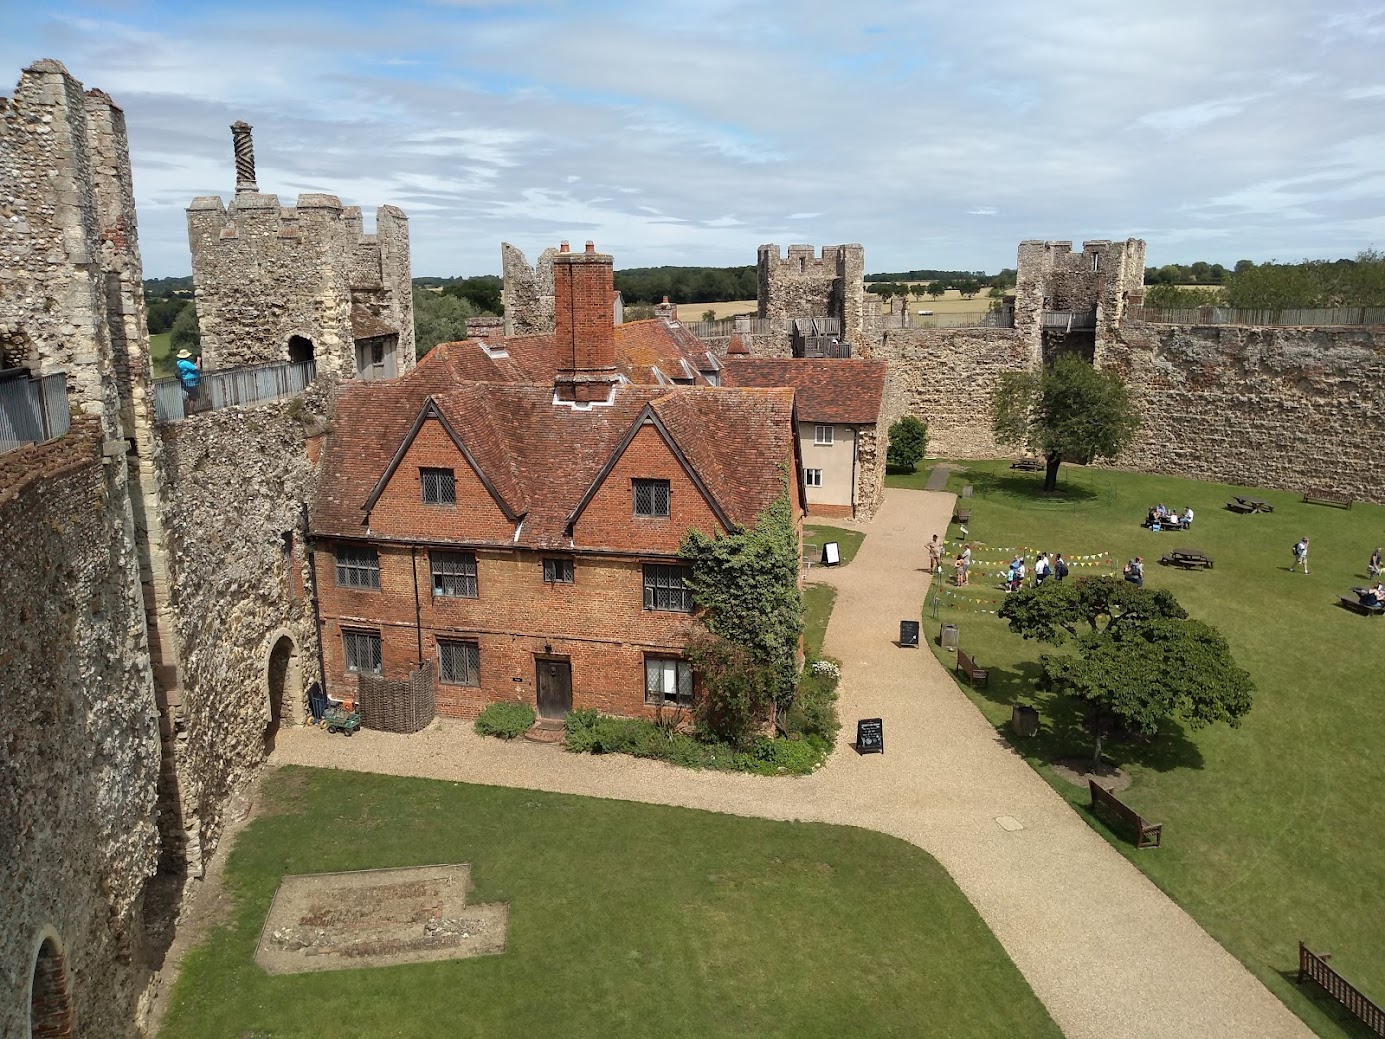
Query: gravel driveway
{"x": 1107, "y": 952}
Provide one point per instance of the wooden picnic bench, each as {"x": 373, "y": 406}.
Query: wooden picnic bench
{"x": 1312, "y": 966}
{"x": 968, "y": 667}
{"x": 1241, "y": 503}
{"x": 1323, "y": 496}
{"x": 1147, "y": 834}
{"x": 1031, "y": 465}
{"x": 1188, "y": 559}
{"x": 1355, "y": 605}
{"x": 961, "y": 515}
{"x": 1241, "y": 507}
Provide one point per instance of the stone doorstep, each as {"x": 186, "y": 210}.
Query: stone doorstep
{"x": 546, "y": 730}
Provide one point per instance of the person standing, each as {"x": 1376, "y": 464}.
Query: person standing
{"x": 1060, "y": 568}
{"x": 1300, "y": 554}
{"x": 1041, "y": 569}
{"x": 966, "y": 563}
{"x": 190, "y": 375}
{"x": 1375, "y": 566}
{"x": 935, "y": 554}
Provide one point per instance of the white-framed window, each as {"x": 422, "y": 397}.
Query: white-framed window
{"x": 439, "y": 486}
{"x": 454, "y": 574}
{"x": 362, "y": 649}
{"x": 459, "y": 662}
{"x": 652, "y": 497}
{"x": 666, "y": 588}
{"x": 557, "y": 570}
{"x": 668, "y": 680}
{"x": 358, "y": 566}
{"x": 822, "y": 435}
{"x": 812, "y": 477}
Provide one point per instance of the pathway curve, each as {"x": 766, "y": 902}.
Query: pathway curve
{"x": 1105, "y": 950}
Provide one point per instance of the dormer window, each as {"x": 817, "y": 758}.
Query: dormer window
{"x": 651, "y": 498}
{"x": 439, "y": 486}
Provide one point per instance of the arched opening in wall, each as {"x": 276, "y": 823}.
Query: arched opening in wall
{"x": 300, "y": 349}
{"x": 285, "y": 680}
{"x": 50, "y": 1001}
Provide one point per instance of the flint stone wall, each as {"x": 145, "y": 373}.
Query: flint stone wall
{"x": 528, "y": 293}
{"x": 1288, "y": 408}
{"x": 236, "y": 482}
{"x": 79, "y": 743}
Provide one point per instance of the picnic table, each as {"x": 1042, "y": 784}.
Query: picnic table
{"x": 1188, "y": 559}
{"x": 1240, "y": 503}
{"x": 1032, "y": 465}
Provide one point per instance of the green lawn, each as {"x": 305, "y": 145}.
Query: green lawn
{"x": 625, "y": 920}
{"x": 161, "y": 355}
{"x": 1273, "y": 832}
{"x": 818, "y": 534}
{"x": 817, "y": 611}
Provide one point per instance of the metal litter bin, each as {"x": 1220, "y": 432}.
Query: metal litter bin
{"x": 1024, "y": 720}
{"x": 947, "y": 637}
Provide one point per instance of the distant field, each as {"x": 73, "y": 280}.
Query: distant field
{"x": 693, "y": 311}
{"x": 161, "y": 355}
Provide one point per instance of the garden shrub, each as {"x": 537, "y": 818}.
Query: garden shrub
{"x": 814, "y": 710}
{"x": 506, "y": 720}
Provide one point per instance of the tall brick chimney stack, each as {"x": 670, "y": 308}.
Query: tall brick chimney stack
{"x": 584, "y": 327}
{"x": 245, "y": 157}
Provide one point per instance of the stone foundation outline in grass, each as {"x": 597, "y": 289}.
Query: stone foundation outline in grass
{"x": 377, "y": 918}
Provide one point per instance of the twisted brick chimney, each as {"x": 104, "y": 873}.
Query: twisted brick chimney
{"x": 584, "y": 325}
{"x": 245, "y": 157}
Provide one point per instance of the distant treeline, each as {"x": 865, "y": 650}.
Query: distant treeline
{"x": 686, "y": 284}
{"x": 1267, "y": 286}
{"x": 944, "y": 276}
{"x": 482, "y": 292}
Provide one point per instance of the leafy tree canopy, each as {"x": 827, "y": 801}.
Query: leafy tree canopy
{"x": 438, "y": 318}
{"x": 186, "y": 333}
{"x": 1067, "y": 411}
{"x": 1140, "y": 659}
{"x": 908, "y": 443}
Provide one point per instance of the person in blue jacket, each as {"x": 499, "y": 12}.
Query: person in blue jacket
{"x": 190, "y": 376}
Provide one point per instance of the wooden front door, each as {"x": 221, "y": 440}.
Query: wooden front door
{"x": 555, "y": 687}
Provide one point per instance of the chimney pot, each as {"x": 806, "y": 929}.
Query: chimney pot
{"x": 563, "y": 247}
{"x": 591, "y": 247}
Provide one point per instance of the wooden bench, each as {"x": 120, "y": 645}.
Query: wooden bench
{"x": 961, "y": 515}
{"x": 1322, "y": 496}
{"x": 1357, "y": 606}
{"x": 1147, "y": 834}
{"x": 968, "y": 667}
{"x": 1312, "y": 966}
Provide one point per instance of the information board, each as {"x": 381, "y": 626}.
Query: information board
{"x": 870, "y": 736}
{"x": 831, "y": 554}
{"x": 908, "y": 633}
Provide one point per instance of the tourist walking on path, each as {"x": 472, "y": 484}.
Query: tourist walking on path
{"x": 1300, "y": 554}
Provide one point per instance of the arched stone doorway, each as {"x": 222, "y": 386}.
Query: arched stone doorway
{"x": 51, "y": 1015}
{"x": 284, "y": 678}
{"x": 300, "y": 349}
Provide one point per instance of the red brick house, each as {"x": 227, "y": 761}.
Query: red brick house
{"x": 522, "y": 537}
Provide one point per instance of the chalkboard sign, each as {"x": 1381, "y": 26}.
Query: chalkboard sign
{"x": 870, "y": 736}
{"x": 831, "y": 554}
{"x": 908, "y": 633}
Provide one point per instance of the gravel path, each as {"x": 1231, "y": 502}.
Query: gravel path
{"x": 1104, "y": 949}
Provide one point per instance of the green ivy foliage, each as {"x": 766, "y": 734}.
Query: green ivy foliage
{"x": 746, "y": 583}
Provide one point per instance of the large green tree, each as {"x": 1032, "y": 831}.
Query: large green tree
{"x": 438, "y": 318}
{"x": 1068, "y": 410}
{"x": 1141, "y": 660}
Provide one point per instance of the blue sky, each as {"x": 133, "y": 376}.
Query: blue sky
{"x": 692, "y": 131}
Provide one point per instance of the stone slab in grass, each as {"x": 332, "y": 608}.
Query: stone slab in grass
{"x": 377, "y": 918}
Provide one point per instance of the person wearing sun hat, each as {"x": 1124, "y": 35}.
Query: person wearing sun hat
{"x": 190, "y": 375}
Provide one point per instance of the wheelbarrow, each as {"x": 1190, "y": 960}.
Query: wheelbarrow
{"x": 339, "y": 719}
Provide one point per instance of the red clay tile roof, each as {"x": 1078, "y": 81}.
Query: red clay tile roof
{"x": 846, "y": 390}
{"x": 542, "y": 458}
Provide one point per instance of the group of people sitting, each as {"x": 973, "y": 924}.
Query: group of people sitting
{"x": 1373, "y": 596}
{"x": 1159, "y": 517}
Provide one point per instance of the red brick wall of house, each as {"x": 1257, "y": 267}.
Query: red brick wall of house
{"x": 599, "y": 622}
{"x": 823, "y": 509}
{"x": 400, "y": 511}
{"x": 609, "y": 520}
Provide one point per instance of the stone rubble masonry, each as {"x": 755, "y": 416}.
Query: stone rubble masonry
{"x": 265, "y": 273}
{"x": 528, "y": 293}
{"x": 79, "y": 746}
{"x": 79, "y": 741}
{"x": 805, "y": 285}
{"x": 237, "y": 481}
{"x": 1104, "y": 277}
{"x": 1289, "y": 408}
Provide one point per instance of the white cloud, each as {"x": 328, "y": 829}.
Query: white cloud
{"x": 683, "y": 132}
